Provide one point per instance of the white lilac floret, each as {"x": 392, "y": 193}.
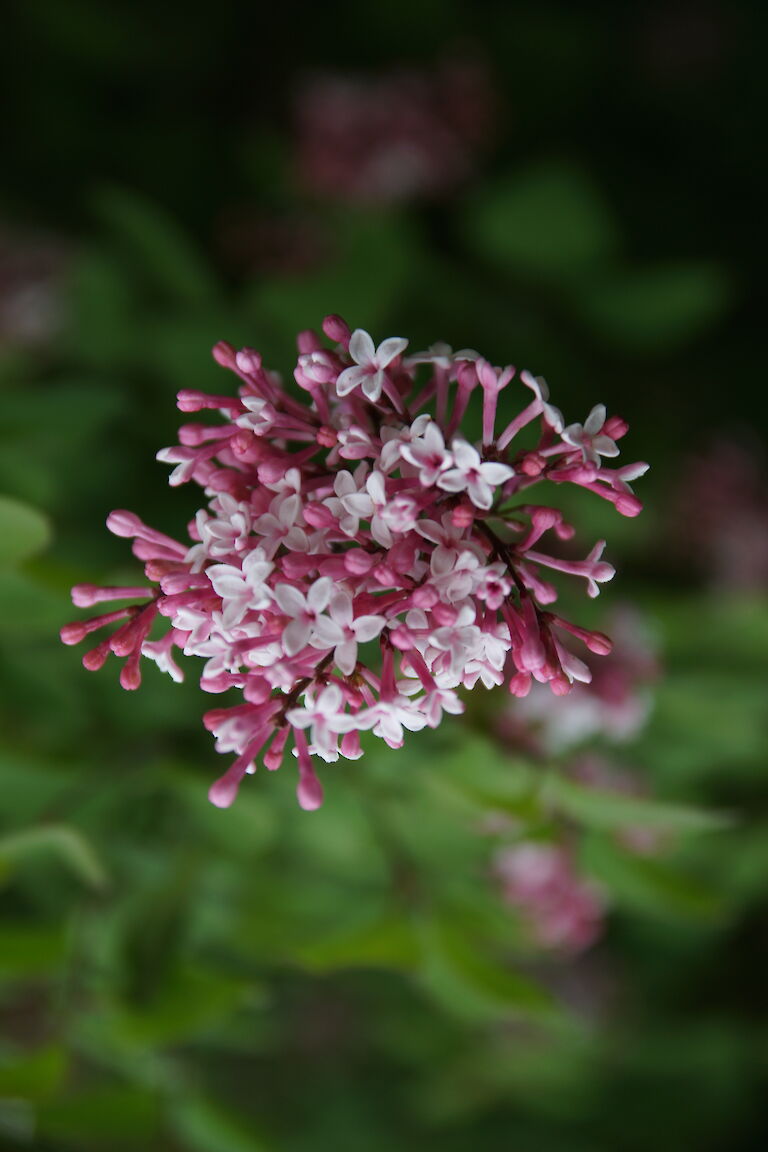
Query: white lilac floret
{"x": 357, "y": 560}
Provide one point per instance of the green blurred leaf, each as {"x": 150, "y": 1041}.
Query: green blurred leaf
{"x": 207, "y": 1127}
{"x": 647, "y": 885}
{"x": 23, "y": 531}
{"x": 113, "y": 1117}
{"x": 656, "y": 308}
{"x": 27, "y": 952}
{"x": 165, "y": 253}
{"x": 30, "y": 608}
{"x": 386, "y": 942}
{"x": 33, "y": 1074}
{"x": 615, "y": 810}
{"x": 467, "y": 981}
{"x": 549, "y": 222}
{"x": 64, "y": 844}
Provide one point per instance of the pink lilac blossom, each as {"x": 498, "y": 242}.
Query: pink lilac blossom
{"x": 32, "y": 281}
{"x": 562, "y": 910}
{"x": 718, "y": 520}
{"x": 352, "y": 513}
{"x": 392, "y": 138}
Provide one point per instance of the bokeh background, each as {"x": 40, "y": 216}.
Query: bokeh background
{"x": 575, "y": 188}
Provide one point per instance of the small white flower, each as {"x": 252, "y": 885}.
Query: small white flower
{"x": 326, "y": 717}
{"x": 304, "y": 612}
{"x": 341, "y": 632}
{"x": 260, "y": 416}
{"x": 587, "y": 437}
{"x": 242, "y": 589}
{"x": 473, "y": 476}
{"x": 387, "y": 718}
{"x": 429, "y": 454}
{"x": 370, "y": 365}
{"x": 442, "y": 355}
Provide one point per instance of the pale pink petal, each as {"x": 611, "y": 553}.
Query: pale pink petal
{"x": 361, "y": 347}
{"x": 289, "y": 599}
{"x": 389, "y": 349}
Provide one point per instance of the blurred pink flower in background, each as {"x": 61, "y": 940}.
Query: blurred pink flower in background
{"x": 32, "y": 268}
{"x": 719, "y": 516}
{"x": 398, "y": 136}
{"x": 561, "y": 909}
{"x": 614, "y": 704}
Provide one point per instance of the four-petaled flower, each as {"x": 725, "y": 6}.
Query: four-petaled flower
{"x": 326, "y": 717}
{"x": 370, "y": 365}
{"x": 340, "y": 631}
{"x": 588, "y": 438}
{"x": 472, "y": 475}
{"x": 304, "y": 612}
{"x": 242, "y": 589}
{"x": 429, "y": 454}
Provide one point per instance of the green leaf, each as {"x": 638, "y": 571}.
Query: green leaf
{"x": 615, "y": 810}
{"x": 64, "y": 844}
{"x": 647, "y": 885}
{"x": 23, "y": 531}
{"x": 165, "y": 252}
{"x": 386, "y": 942}
{"x": 653, "y": 309}
{"x": 114, "y": 1117}
{"x": 469, "y": 982}
{"x": 29, "y": 607}
{"x": 206, "y": 1127}
{"x": 549, "y": 223}
{"x": 26, "y": 952}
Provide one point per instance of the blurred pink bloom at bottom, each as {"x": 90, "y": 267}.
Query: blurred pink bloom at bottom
{"x": 563, "y": 911}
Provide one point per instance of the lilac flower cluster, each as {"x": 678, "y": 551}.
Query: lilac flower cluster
{"x": 357, "y": 517}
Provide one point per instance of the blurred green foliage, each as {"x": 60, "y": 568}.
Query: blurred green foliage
{"x": 262, "y": 980}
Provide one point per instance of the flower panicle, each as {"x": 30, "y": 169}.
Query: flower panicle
{"x": 357, "y": 560}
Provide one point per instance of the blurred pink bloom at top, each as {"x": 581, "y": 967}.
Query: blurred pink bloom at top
{"x": 31, "y": 289}
{"x": 394, "y": 137}
{"x": 719, "y": 519}
{"x": 563, "y": 911}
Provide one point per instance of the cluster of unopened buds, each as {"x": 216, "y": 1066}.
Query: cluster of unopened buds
{"x": 358, "y": 560}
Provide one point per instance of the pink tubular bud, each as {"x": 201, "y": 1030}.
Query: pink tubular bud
{"x": 223, "y": 791}
{"x": 628, "y": 504}
{"x": 73, "y": 633}
{"x": 560, "y": 685}
{"x": 130, "y": 673}
{"x": 122, "y": 523}
{"x": 96, "y": 657}
{"x": 357, "y": 562}
{"x": 615, "y": 427}
{"x": 520, "y": 684}
{"x": 86, "y": 595}
{"x": 224, "y": 354}
{"x": 336, "y": 329}
{"x": 531, "y": 464}
{"x": 307, "y": 341}
{"x": 463, "y": 515}
{"x": 248, "y": 361}
{"x": 273, "y": 757}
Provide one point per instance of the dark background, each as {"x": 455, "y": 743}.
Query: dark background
{"x": 174, "y": 978}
